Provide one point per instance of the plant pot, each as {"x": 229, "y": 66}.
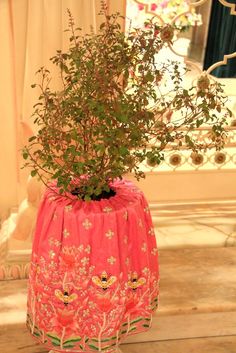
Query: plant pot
{"x": 94, "y": 271}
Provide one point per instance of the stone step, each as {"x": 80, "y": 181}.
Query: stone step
{"x": 17, "y": 339}
{"x": 195, "y": 224}
{"x": 198, "y": 297}
{"x": 197, "y": 345}
{"x": 197, "y": 294}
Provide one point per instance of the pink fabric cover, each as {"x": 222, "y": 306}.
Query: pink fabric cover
{"x": 94, "y": 271}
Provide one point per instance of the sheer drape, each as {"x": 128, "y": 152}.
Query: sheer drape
{"x": 30, "y": 33}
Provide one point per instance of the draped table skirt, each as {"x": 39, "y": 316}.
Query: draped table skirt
{"x": 94, "y": 271}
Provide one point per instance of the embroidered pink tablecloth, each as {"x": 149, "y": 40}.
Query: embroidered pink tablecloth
{"x": 94, "y": 271}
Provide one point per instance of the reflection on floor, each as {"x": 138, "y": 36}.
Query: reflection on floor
{"x": 197, "y": 311}
{"x": 199, "y": 345}
{"x": 195, "y": 225}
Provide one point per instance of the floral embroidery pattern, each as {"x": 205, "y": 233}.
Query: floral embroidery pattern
{"x": 146, "y": 271}
{"x": 151, "y": 232}
{"x": 51, "y": 254}
{"x": 144, "y": 247}
{"x": 88, "y": 293}
{"x": 85, "y": 261}
{"x": 111, "y": 260}
{"x": 88, "y": 249}
{"x": 109, "y": 234}
{"x": 91, "y": 315}
{"x": 66, "y": 233}
{"x": 68, "y": 208}
{"x": 51, "y": 241}
{"x": 107, "y": 209}
{"x": 87, "y": 224}
{"x": 154, "y": 251}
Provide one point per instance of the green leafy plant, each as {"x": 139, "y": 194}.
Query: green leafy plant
{"x": 112, "y": 111}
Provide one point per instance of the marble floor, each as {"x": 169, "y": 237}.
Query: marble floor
{"x": 195, "y": 225}
{"x": 225, "y": 344}
{"x": 198, "y": 345}
{"x": 197, "y": 311}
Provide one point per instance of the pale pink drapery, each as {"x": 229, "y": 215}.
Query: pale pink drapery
{"x": 30, "y": 33}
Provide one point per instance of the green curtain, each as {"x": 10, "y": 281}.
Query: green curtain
{"x": 221, "y": 40}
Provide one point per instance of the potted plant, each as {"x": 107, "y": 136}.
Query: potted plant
{"x": 94, "y": 271}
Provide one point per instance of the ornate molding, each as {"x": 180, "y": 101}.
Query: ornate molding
{"x": 198, "y": 3}
{"x": 14, "y": 271}
{"x": 222, "y": 62}
{"x": 230, "y": 5}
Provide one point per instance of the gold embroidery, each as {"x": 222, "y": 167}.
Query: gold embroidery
{"x": 52, "y": 266}
{"x": 146, "y": 270}
{"x": 91, "y": 305}
{"x": 154, "y": 251}
{"x": 66, "y": 233}
{"x": 72, "y": 294}
{"x": 111, "y": 260}
{"x": 82, "y": 271}
{"x": 136, "y": 282}
{"x": 86, "y": 312}
{"x": 68, "y": 208}
{"x": 91, "y": 269}
{"x": 103, "y": 281}
{"x": 65, "y": 297}
{"x": 57, "y": 243}
{"x": 54, "y": 242}
{"x": 151, "y": 231}
{"x": 87, "y": 224}
{"x": 125, "y": 239}
{"x": 147, "y": 209}
{"x": 144, "y": 247}
{"x": 85, "y": 261}
{"x": 80, "y": 248}
{"x": 54, "y": 216}
{"x": 88, "y": 249}
{"x": 123, "y": 293}
{"x": 51, "y": 254}
{"x": 107, "y": 209}
{"x": 109, "y": 234}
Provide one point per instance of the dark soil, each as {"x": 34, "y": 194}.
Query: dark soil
{"x": 103, "y": 195}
